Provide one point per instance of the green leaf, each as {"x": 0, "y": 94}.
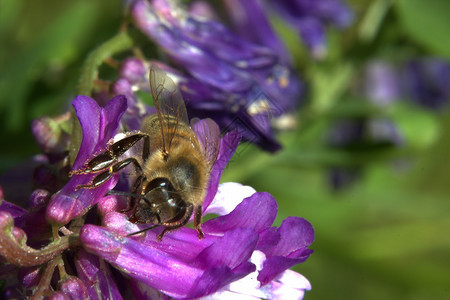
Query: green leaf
{"x": 419, "y": 126}
{"x": 55, "y": 43}
{"x": 427, "y": 22}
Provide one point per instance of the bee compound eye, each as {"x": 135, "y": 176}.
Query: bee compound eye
{"x": 159, "y": 183}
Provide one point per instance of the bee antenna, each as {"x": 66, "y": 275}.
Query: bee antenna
{"x": 144, "y": 230}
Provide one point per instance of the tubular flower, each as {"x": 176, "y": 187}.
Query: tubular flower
{"x": 309, "y": 18}
{"x": 238, "y": 82}
{"x": 427, "y": 82}
{"x": 97, "y": 258}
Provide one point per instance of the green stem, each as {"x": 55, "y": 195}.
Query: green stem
{"x": 89, "y": 73}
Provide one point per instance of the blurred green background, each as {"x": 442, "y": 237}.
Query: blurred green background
{"x": 385, "y": 237}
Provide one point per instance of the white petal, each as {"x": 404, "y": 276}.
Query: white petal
{"x": 294, "y": 280}
{"x": 228, "y": 196}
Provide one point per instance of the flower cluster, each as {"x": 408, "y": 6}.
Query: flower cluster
{"x": 424, "y": 82}
{"x": 237, "y": 82}
{"x": 242, "y": 254}
{"x": 310, "y": 17}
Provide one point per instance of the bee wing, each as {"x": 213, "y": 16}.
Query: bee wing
{"x": 208, "y": 134}
{"x": 168, "y": 102}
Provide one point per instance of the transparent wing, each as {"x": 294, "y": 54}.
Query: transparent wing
{"x": 168, "y": 102}
{"x": 208, "y": 134}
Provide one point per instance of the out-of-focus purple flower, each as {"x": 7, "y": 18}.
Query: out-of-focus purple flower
{"x": 427, "y": 82}
{"x": 52, "y": 134}
{"x": 238, "y": 82}
{"x": 309, "y": 18}
{"x": 359, "y": 135}
{"x": 381, "y": 83}
{"x": 251, "y": 22}
{"x": 423, "y": 81}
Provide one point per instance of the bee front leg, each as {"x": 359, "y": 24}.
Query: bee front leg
{"x": 132, "y": 203}
{"x": 106, "y": 175}
{"x": 109, "y": 157}
{"x": 178, "y": 224}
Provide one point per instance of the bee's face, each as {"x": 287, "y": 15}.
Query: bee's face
{"x": 161, "y": 203}
{"x": 172, "y": 184}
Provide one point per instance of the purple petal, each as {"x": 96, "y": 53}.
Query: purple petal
{"x": 96, "y": 276}
{"x": 257, "y": 212}
{"x": 427, "y": 82}
{"x": 39, "y": 198}
{"x": 382, "y": 83}
{"x": 226, "y": 46}
{"x": 252, "y": 23}
{"x": 30, "y": 276}
{"x": 313, "y": 35}
{"x": 167, "y": 273}
{"x": 336, "y": 12}
{"x": 228, "y": 146}
{"x": 200, "y": 63}
{"x": 202, "y": 9}
{"x": 98, "y": 125}
{"x": 14, "y": 210}
{"x": 133, "y": 69}
{"x": 233, "y": 249}
{"x": 384, "y": 131}
{"x": 214, "y": 279}
{"x": 50, "y": 133}
{"x": 111, "y": 203}
{"x": 182, "y": 243}
{"x": 74, "y": 288}
{"x": 145, "y": 263}
{"x": 296, "y": 234}
{"x": 275, "y": 265}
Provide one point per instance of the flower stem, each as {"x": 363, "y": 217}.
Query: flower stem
{"x": 44, "y": 283}
{"x": 89, "y": 74}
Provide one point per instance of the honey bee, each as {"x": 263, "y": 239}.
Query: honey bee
{"x": 172, "y": 166}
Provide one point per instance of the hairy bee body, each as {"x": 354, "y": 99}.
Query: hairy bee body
{"x": 172, "y": 166}
{"x": 185, "y": 166}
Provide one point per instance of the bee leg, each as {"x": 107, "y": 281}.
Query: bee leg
{"x": 132, "y": 202}
{"x": 198, "y": 220}
{"x": 97, "y": 181}
{"x": 109, "y": 157}
{"x": 106, "y": 175}
{"x": 178, "y": 224}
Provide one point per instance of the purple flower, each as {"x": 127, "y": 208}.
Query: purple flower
{"x": 182, "y": 266}
{"x": 239, "y": 82}
{"x": 98, "y": 125}
{"x": 240, "y": 245}
{"x": 359, "y": 136}
{"x": 422, "y": 81}
{"x": 427, "y": 82}
{"x": 309, "y": 18}
{"x": 382, "y": 84}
